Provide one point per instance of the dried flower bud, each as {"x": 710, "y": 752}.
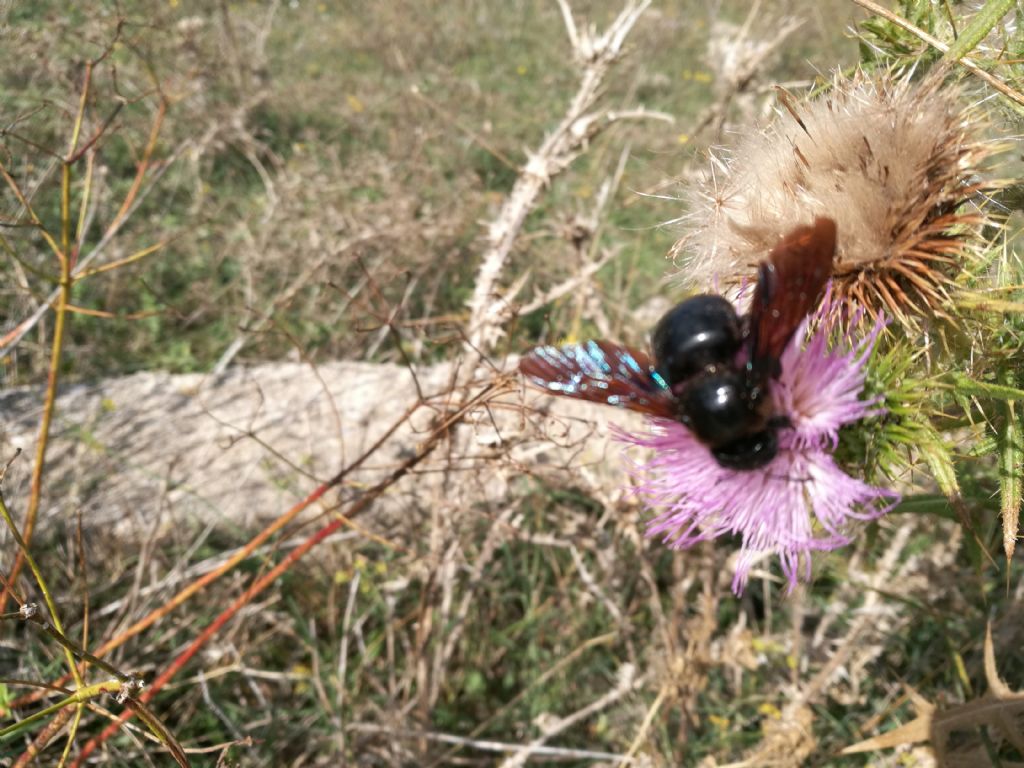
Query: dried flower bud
{"x": 893, "y": 162}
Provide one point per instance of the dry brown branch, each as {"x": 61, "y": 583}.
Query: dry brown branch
{"x": 596, "y": 54}
{"x": 739, "y": 57}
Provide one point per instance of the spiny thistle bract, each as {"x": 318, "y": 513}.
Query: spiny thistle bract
{"x": 895, "y": 163}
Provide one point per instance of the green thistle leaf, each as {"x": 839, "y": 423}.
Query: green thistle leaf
{"x": 967, "y": 386}
{"x": 1011, "y": 465}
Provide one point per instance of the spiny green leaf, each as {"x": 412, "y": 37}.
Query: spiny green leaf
{"x": 968, "y": 386}
{"x": 983, "y": 446}
{"x": 940, "y": 461}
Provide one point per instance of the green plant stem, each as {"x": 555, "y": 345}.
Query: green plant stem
{"x": 51, "y": 606}
{"x": 64, "y": 256}
{"x": 81, "y": 696}
{"x": 36, "y": 487}
{"x": 1010, "y": 464}
{"x": 72, "y": 732}
{"x": 24, "y": 537}
{"x": 984, "y": 21}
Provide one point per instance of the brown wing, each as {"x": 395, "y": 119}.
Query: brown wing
{"x": 789, "y": 286}
{"x": 601, "y": 372}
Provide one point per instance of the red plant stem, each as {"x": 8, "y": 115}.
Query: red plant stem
{"x": 253, "y": 544}
{"x": 271, "y": 576}
{"x": 258, "y": 586}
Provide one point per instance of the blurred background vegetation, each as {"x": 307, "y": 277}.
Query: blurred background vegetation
{"x": 322, "y": 163}
{"x": 340, "y": 136}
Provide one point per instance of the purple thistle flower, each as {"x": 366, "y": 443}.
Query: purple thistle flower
{"x": 773, "y": 508}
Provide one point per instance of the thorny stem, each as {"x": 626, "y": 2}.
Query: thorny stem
{"x": 984, "y": 21}
{"x": 899, "y": 21}
{"x": 559, "y": 148}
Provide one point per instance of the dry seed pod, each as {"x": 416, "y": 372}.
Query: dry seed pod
{"x": 895, "y": 163}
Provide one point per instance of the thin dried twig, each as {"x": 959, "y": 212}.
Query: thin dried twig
{"x": 442, "y": 424}
{"x": 486, "y": 745}
{"x": 136, "y": 195}
{"x": 627, "y": 683}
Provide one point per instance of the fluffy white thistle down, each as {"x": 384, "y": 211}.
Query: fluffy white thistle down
{"x": 895, "y": 163}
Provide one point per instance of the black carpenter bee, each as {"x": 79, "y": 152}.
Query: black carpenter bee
{"x": 709, "y": 368}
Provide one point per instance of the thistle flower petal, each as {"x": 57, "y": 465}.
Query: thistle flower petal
{"x": 819, "y": 389}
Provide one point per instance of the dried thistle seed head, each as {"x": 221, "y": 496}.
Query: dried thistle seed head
{"x": 893, "y": 162}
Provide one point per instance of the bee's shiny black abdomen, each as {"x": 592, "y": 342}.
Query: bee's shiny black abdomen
{"x": 725, "y": 405}
{"x": 716, "y": 407}
{"x": 751, "y": 452}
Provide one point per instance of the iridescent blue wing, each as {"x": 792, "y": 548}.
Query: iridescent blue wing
{"x": 601, "y": 372}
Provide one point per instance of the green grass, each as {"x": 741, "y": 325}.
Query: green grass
{"x": 332, "y": 107}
